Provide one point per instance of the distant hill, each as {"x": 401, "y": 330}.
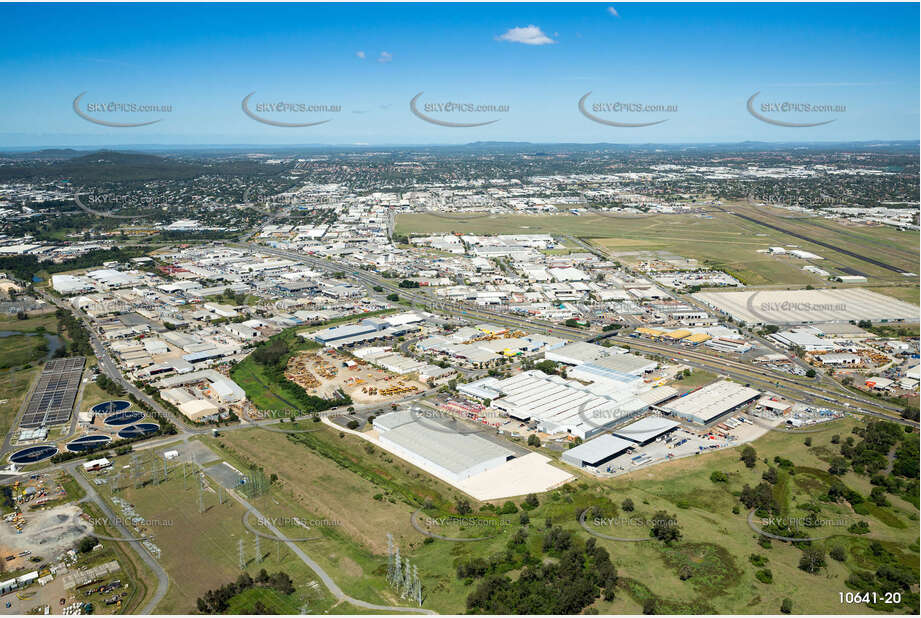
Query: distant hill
{"x": 101, "y": 166}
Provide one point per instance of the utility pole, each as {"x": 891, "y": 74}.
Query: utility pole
{"x": 390, "y": 566}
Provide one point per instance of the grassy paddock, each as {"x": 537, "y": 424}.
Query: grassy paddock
{"x": 707, "y": 570}
{"x": 719, "y": 238}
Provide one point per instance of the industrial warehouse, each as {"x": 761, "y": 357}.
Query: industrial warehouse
{"x": 646, "y": 429}
{"x": 471, "y": 462}
{"x": 597, "y": 452}
{"x": 809, "y": 306}
{"x": 557, "y": 405}
{"x": 449, "y": 455}
{"x": 369, "y": 329}
{"x": 711, "y": 402}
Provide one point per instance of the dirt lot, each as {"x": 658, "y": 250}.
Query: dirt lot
{"x": 47, "y": 534}
{"x": 323, "y": 373}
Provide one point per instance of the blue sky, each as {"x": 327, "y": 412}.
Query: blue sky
{"x": 706, "y": 60}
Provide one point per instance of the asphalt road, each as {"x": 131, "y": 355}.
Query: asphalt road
{"x": 162, "y": 577}
{"x": 316, "y": 568}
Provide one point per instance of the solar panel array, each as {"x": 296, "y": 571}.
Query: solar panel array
{"x": 53, "y": 399}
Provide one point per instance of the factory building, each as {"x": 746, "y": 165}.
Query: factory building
{"x": 444, "y": 453}
{"x": 597, "y": 452}
{"x": 646, "y": 429}
{"x": 367, "y": 330}
{"x": 619, "y": 369}
{"x": 783, "y": 307}
{"x": 579, "y": 352}
{"x": 712, "y": 402}
{"x": 556, "y": 405}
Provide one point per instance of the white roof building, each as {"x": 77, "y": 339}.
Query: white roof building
{"x": 70, "y": 284}
{"x": 711, "y": 402}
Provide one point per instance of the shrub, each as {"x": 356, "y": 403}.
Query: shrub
{"x": 86, "y": 544}
{"x": 859, "y": 527}
{"x": 749, "y": 456}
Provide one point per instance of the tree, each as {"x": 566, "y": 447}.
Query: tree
{"x": 87, "y": 544}
{"x": 749, "y": 456}
{"x": 838, "y": 466}
{"x": 786, "y": 606}
{"x": 281, "y": 582}
{"x": 810, "y": 373}
{"x": 878, "y": 496}
{"x": 812, "y": 560}
{"x": 760, "y": 497}
{"x": 719, "y": 477}
{"x": 770, "y": 475}
{"x": 627, "y": 505}
{"x": 463, "y": 506}
{"x": 393, "y": 297}
{"x": 665, "y": 527}
{"x": 244, "y": 581}
{"x": 837, "y": 552}
{"x": 533, "y": 440}
{"x": 531, "y": 502}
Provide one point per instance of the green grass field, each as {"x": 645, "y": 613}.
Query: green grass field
{"x": 334, "y": 477}
{"x": 697, "y": 379}
{"x": 14, "y": 386}
{"x": 142, "y": 583}
{"x": 719, "y": 239}
{"x": 201, "y": 551}
{"x": 364, "y": 498}
{"x": 48, "y": 321}
{"x": 908, "y": 293}
{"x": 18, "y": 350}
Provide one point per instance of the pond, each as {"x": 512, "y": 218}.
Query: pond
{"x": 53, "y": 341}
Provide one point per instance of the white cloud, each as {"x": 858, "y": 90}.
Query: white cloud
{"x": 360, "y": 54}
{"x": 385, "y": 57}
{"x": 613, "y": 11}
{"x": 529, "y": 35}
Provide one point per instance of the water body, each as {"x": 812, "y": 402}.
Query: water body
{"x": 53, "y": 341}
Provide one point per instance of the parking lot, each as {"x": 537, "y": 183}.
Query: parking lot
{"x": 686, "y": 441}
